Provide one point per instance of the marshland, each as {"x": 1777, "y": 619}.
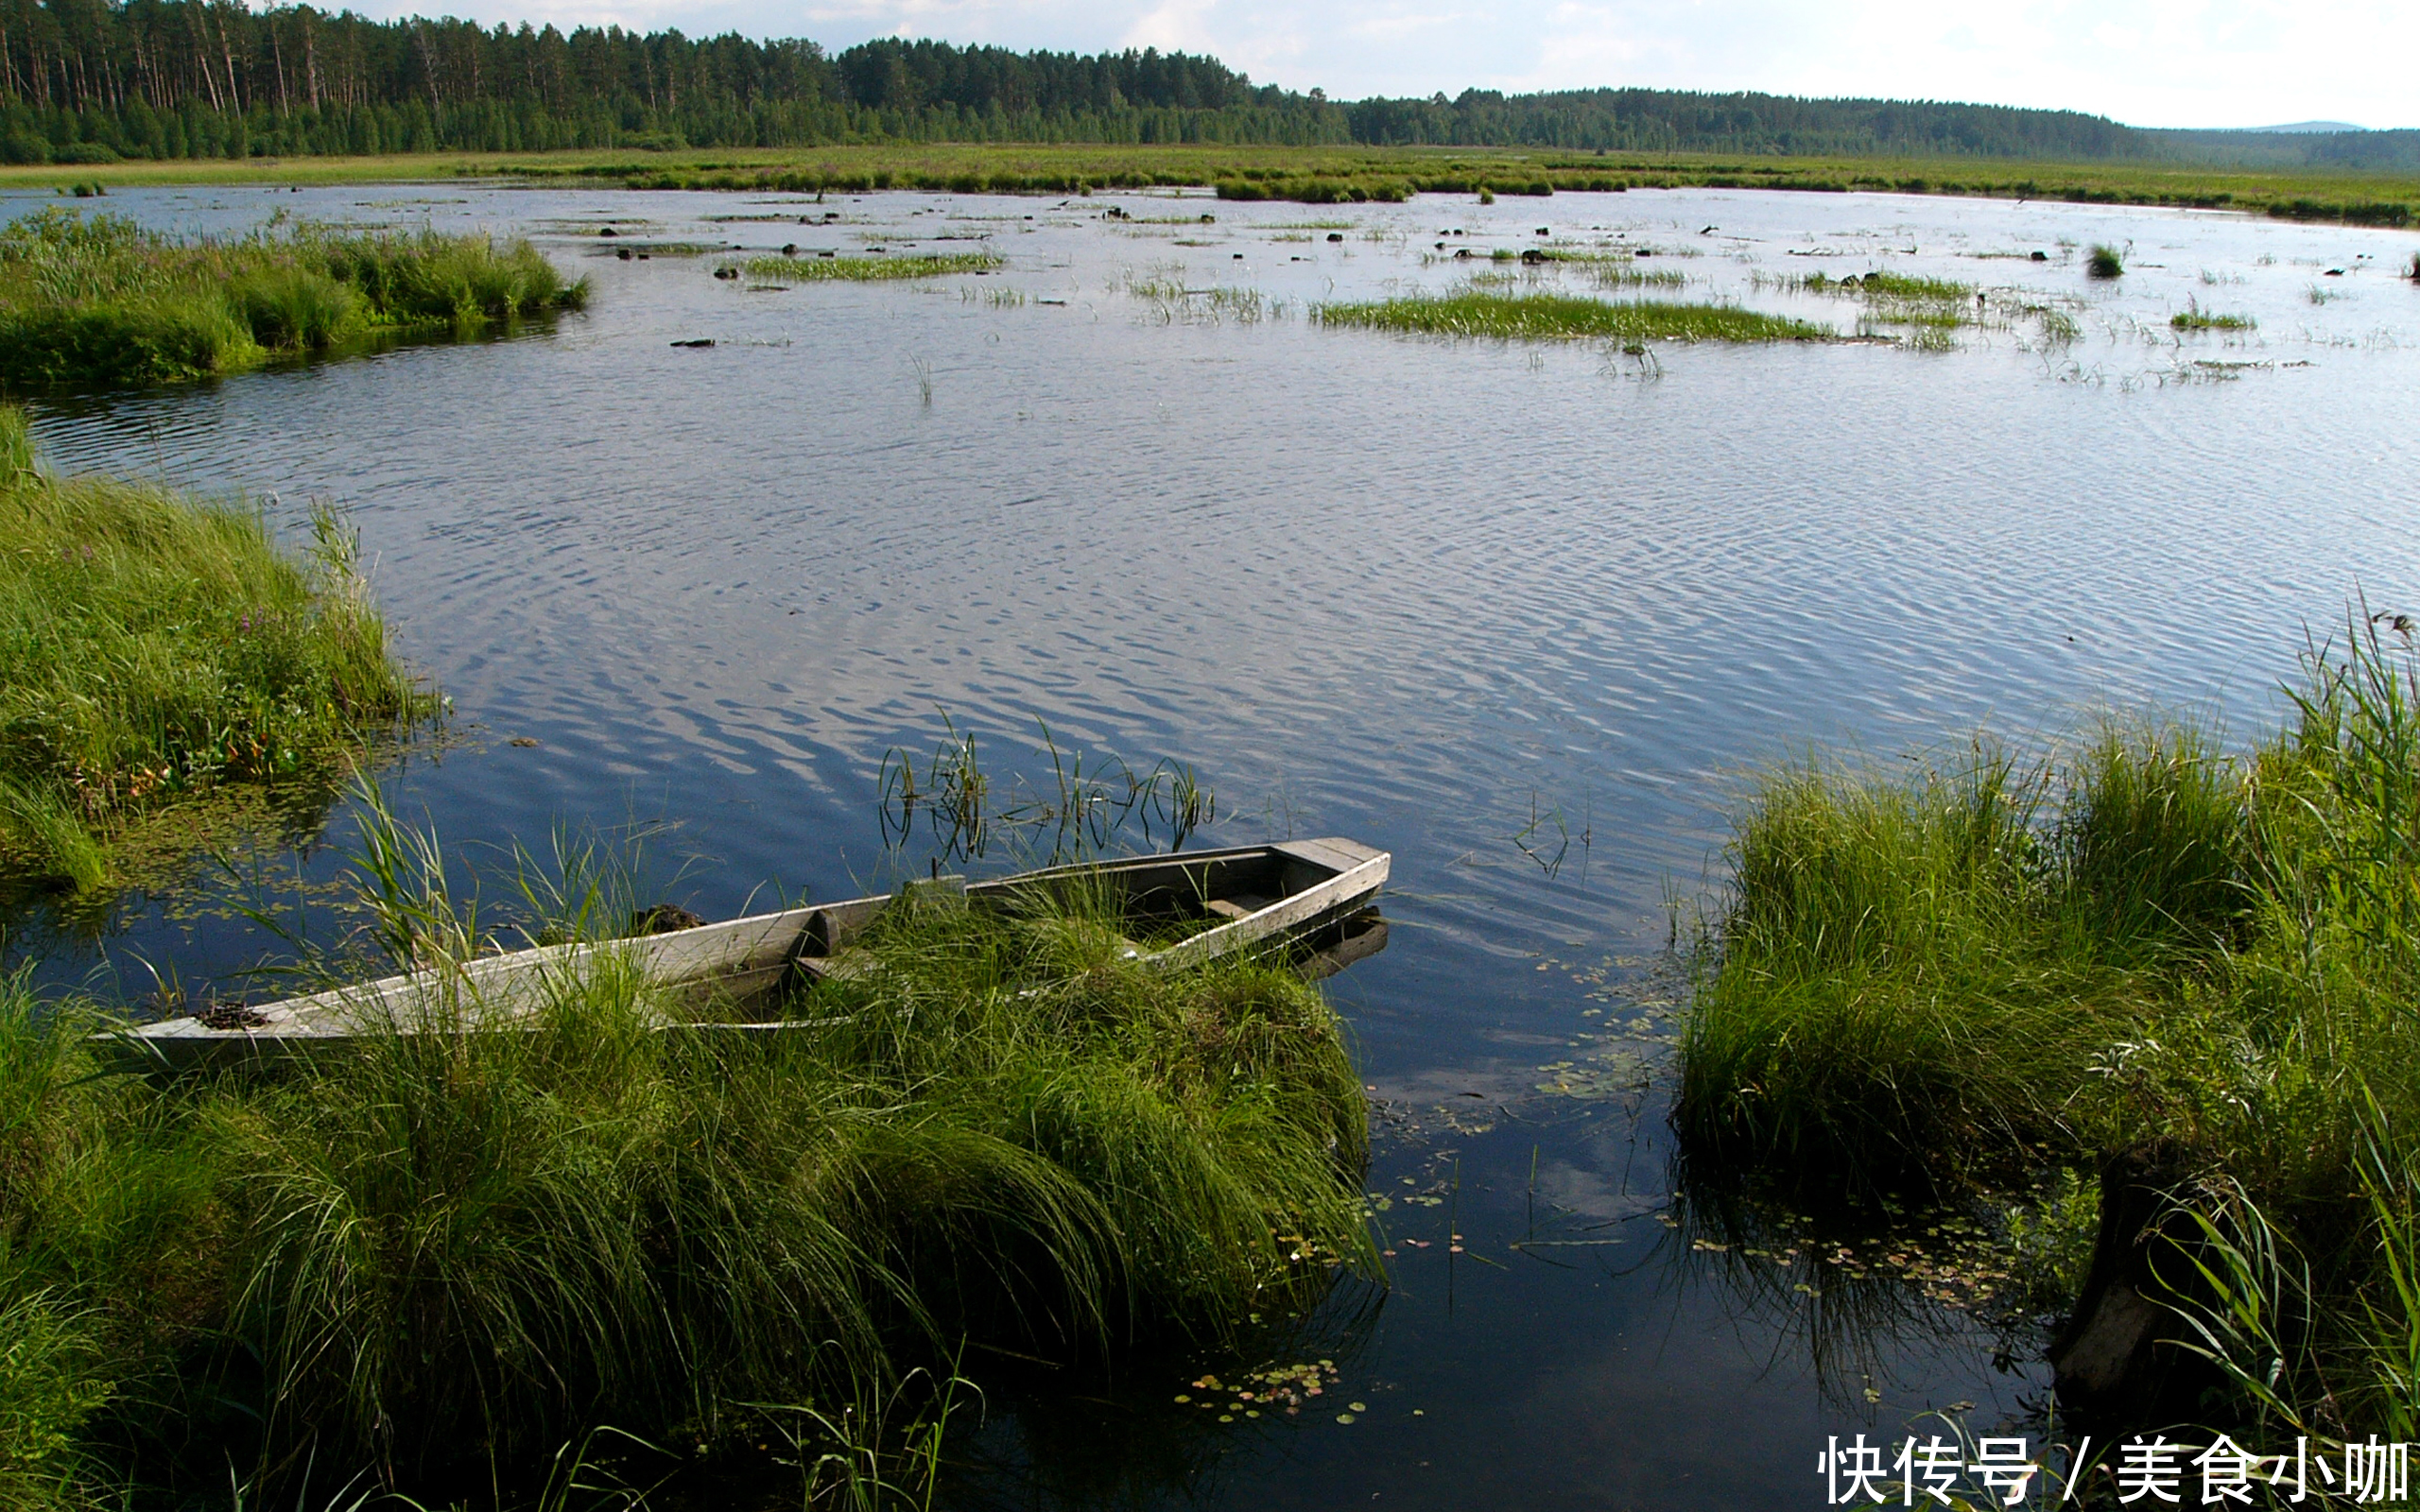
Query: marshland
{"x": 1595, "y": 641}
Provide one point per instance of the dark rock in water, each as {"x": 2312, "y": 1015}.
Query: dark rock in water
{"x": 726, "y": 273}
{"x": 2117, "y": 1362}
{"x": 622, "y": 252}
{"x": 1336, "y": 235}
{"x": 2040, "y": 257}
{"x": 1544, "y": 231}
{"x": 700, "y": 341}
{"x": 790, "y": 248}
{"x": 1529, "y": 254}
{"x": 609, "y": 232}
{"x": 663, "y": 919}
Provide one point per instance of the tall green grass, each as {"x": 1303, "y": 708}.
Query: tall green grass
{"x": 467, "y": 1245}
{"x": 1931, "y": 976}
{"x": 99, "y": 302}
{"x": 1559, "y": 316}
{"x": 152, "y": 648}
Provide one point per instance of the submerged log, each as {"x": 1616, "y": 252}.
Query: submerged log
{"x": 2117, "y": 1361}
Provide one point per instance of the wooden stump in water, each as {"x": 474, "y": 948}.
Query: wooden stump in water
{"x": 2116, "y": 1362}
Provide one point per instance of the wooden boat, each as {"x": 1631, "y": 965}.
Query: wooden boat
{"x": 1301, "y": 893}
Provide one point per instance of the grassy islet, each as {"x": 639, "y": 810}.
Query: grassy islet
{"x": 811, "y": 270}
{"x": 99, "y": 302}
{"x": 1938, "y": 978}
{"x": 155, "y": 651}
{"x": 1542, "y": 317}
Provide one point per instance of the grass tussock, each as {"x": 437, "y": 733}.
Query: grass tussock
{"x": 469, "y": 1244}
{"x": 1565, "y": 317}
{"x": 2103, "y": 261}
{"x": 153, "y": 649}
{"x": 1933, "y": 976}
{"x": 2194, "y": 317}
{"x": 99, "y": 302}
{"x": 864, "y": 269}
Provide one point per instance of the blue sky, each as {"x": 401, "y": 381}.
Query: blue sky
{"x": 2148, "y": 62}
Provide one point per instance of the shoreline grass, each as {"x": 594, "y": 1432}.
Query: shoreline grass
{"x": 153, "y": 650}
{"x": 99, "y": 302}
{"x": 2350, "y": 196}
{"x": 1928, "y": 981}
{"x": 865, "y": 270}
{"x": 463, "y": 1247}
{"x": 1565, "y": 317}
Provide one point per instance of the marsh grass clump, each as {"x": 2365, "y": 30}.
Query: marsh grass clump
{"x": 153, "y": 649}
{"x": 1934, "y": 979}
{"x": 2194, "y": 317}
{"x": 476, "y": 1238}
{"x": 1917, "y": 971}
{"x": 2103, "y": 261}
{"x": 1565, "y": 317}
{"x": 863, "y": 269}
{"x": 98, "y": 301}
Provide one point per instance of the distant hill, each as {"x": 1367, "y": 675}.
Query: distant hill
{"x": 2299, "y": 128}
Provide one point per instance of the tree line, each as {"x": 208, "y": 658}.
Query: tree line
{"x": 93, "y": 80}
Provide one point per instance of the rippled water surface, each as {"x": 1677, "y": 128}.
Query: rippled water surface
{"x": 1455, "y": 599}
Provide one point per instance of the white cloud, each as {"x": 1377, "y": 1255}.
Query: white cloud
{"x": 2161, "y": 63}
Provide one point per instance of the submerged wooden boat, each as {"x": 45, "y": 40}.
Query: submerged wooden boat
{"x": 1302, "y": 892}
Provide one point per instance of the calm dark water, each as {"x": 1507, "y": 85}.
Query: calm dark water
{"x": 1446, "y": 598}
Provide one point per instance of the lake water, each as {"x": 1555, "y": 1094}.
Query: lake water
{"x": 1471, "y": 602}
